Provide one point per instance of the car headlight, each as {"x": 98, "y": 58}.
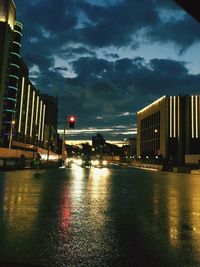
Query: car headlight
{"x": 105, "y": 162}
{"x": 96, "y": 162}
{"x": 79, "y": 162}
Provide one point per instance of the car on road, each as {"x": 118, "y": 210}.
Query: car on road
{"x": 82, "y": 161}
{"x": 99, "y": 162}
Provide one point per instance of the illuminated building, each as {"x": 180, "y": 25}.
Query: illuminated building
{"x": 36, "y": 115}
{"x": 170, "y": 127}
{"x": 24, "y": 113}
{"x": 10, "y": 44}
{"x": 30, "y": 112}
{"x": 51, "y": 120}
{"x": 8, "y": 12}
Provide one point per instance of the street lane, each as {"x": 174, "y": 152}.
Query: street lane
{"x": 100, "y": 217}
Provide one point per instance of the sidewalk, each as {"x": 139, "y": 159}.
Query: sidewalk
{"x": 14, "y": 165}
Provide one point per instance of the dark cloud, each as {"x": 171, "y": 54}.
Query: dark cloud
{"x": 105, "y": 89}
{"x": 90, "y": 68}
{"x": 116, "y": 25}
{"x": 111, "y": 55}
{"x": 105, "y": 85}
{"x": 70, "y": 52}
{"x": 48, "y": 33}
{"x": 183, "y": 33}
{"x": 170, "y": 5}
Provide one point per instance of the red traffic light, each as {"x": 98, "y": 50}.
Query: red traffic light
{"x": 71, "y": 120}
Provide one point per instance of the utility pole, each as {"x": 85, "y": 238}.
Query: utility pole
{"x": 11, "y": 133}
{"x": 71, "y": 122}
{"x": 49, "y": 141}
{"x": 63, "y": 145}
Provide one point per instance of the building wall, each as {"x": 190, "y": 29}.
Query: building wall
{"x": 7, "y": 24}
{"x": 5, "y": 38}
{"x": 152, "y": 129}
{"x": 50, "y": 131}
{"x": 174, "y": 143}
{"x": 30, "y": 116}
{"x": 24, "y": 112}
{"x": 11, "y": 90}
{"x": 8, "y": 12}
{"x": 132, "y": 142}
{"x": 177, "y": 128}
{"x": 192, "y": 145}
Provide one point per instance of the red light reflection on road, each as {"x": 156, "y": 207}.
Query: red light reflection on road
{"x": 65, "y": 211}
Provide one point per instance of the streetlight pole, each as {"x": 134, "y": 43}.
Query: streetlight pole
{"x": 49, "y": 142}
{"x": 63, "y": 145}
{"x": 71, "y": 120}
{"x": 11, "y": 133}
{"x": 156, "y": 151}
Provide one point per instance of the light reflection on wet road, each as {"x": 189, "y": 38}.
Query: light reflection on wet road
{"x": 100, "y": 217}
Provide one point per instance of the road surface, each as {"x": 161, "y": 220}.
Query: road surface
{"x": 99, "y": 217}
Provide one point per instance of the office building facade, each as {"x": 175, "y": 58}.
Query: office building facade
{"x": 51, "y": 120}
{"x": 10, "y": 44}
{"x": 170, "y": 128}
{"x": 30, "y": 112}
{"x": 23, "y": 109}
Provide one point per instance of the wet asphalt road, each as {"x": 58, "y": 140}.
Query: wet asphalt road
{"x": 100, "y": 217}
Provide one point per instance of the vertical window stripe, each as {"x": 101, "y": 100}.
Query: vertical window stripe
{"x": 170, "y": 120}
{"x": 40, "y": 120}
{"x": 192, "y": 115}
{"x": 178, "y": 116}
{"x": 174, "y": 116}
{"x": 43, "y": 120}
{"x": 197, "y": 117}
{"x": 27, "y": 109}
{"x": 32, "y": 113}
{"x": 37, "y": 107}
{"x": 21, "y": 105}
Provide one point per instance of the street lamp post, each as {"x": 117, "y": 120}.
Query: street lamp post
{"x": 11, "y": 134}
{"x": 71, "y": 120}
{"x": 48, "y": 143}
{"x": 156, "y": 151}
{"x": 63, "y": 145}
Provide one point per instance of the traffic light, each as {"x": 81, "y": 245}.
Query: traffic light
{"x": 72, "y": 120}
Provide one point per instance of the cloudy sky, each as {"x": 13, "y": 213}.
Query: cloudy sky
{"x": 107, "y": 59}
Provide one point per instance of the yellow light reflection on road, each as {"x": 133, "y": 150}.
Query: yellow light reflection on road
{"x": 194, "y": 204}
{"x": 77, "y": 171}
{"x": 166, "y": 203}
{"x": 99, "y": 173}
{"x": 21, "y": 203}
{"x": 77, "y": 183}
{"x": 99, "y": 192}
{"x": 173, "y": 214}
{"x": 98, "y": 195}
